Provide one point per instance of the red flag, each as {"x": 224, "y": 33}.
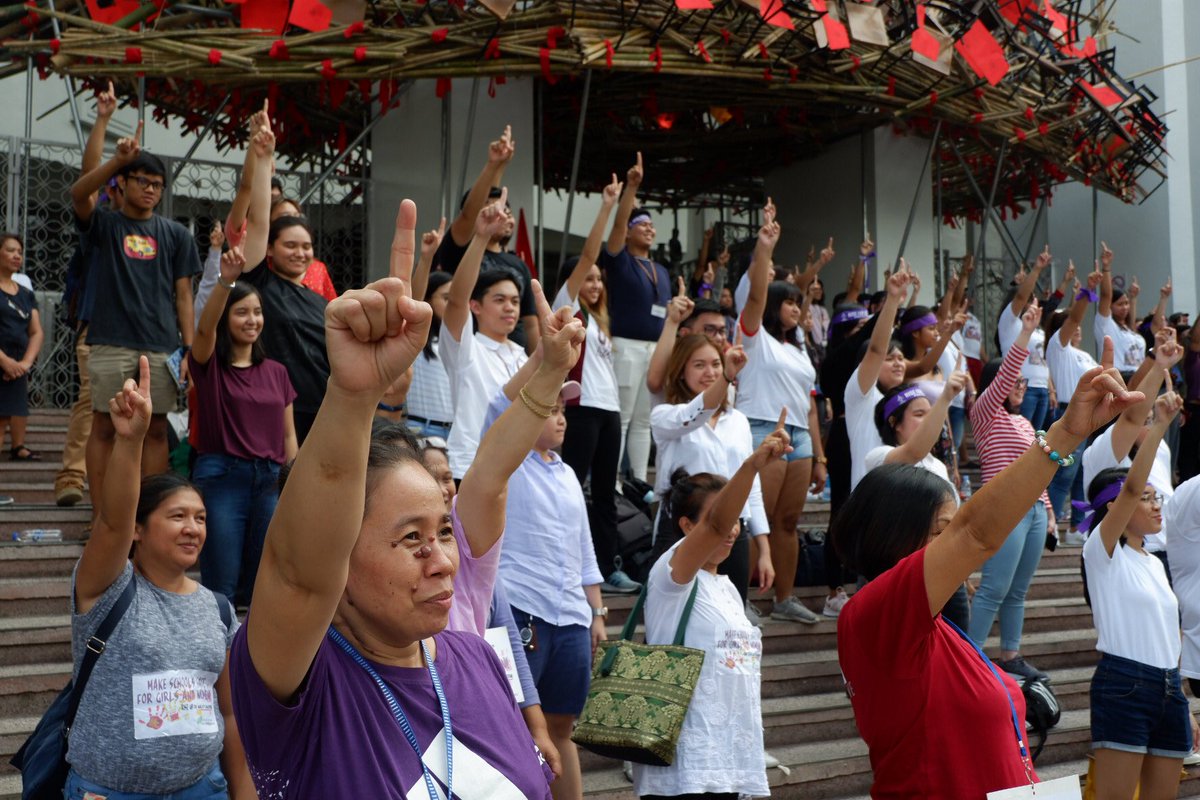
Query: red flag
{"x": 923, "y": 42}
{"x": 1012, "y": 9}
{"x": 524, "y": 248}
{"x": 835, "y": 31}
{"x": 110, "y": 11}
{"x": 983, "y": 53}
{"x": 1102, "y": 94}
{"x": 693, "y": 5}
{"x": 318, "y": 15}
{"x": 772, "y": 12}
{"x": 269, "y": 15}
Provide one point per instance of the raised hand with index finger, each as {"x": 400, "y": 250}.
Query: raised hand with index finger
{"x": 1100, "y": 395}
{"x": 493, "y": 217}
{"x": 563, "y": 333}
{"x": 106, "y": 102}
{"x": 636, "y": 173}
{"x": 776, "y": 445}
{"x": 130, "y": 409}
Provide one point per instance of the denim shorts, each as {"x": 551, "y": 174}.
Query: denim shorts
{"x": 560, "y": 663}
{"x": 1139, "y": 709}
{"x": 210, "y": 787}
{"x": 801, "y": 440}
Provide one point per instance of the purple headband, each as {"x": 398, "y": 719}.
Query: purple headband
{"x": 849, "y": 315}
{"x": 918, "y": 323}
{"x": 639, "y": 217}
{"x": 1106, "y": 496}
{"x": 903, "y": 397}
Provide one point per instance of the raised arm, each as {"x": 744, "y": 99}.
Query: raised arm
{"x": 430, "y": 241}
{"x": 205, "y": 342}
{"x": 1132, "y": 293}
{"x": 458, "y": 307}
{"x": 1166, "y": 408}
{"x": 679, "y": 309}
{"x": 1160, "y": 311}
{"x": 715, "y": 526}
{"x": 813, "y": 268}
{"x": 373, "y": 336}
{"x": 1029, "y": 283}
{"x": 964, "y": 280}
{"x": 982, "y": 524}
{"x": 259, "y": 158}
{"x": 93, "y": 151}
{"x": 991, "y": 402}
{"x": 1078, "y": 310}
{"x": 1167, "y": 353}
{"x": 760, "y": 271}
{"x": 1106, "y": 287}
{"x": 500, "y": 152}
{"x": 854, "y": 286}
{"x": 107, "y": 549}
{"x": 946, "y": 307}
{"x": 926, "y": 435}
{"x": 620, "y": 228}
{"x": 83, "y": 191}
{"x": 591, "y": 247}
{"x": 484, "y": 489}
{"x": 868, "y": 369}
{"x": 239, "y": 210}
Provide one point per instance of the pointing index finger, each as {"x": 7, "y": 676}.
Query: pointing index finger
{"x": 782, "y": 419}
{"x": 400, "y": 263}
{"x": 1106, "y": 353}
{"x": 144, "y": 376}
{"x": 544, "y": 311}
{"x": 682, "y": 287}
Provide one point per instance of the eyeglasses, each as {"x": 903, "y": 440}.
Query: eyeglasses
{"x": 1153, "y": 498}
{"x": 714, "y": 331}
{"x": 1022, "y": 382}
{"x": 147, "y": 184}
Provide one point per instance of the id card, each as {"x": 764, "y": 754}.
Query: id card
{"x": 1065, "y": 788}
{"x": 658, "y": 310}
{"x": 502, "y": 646}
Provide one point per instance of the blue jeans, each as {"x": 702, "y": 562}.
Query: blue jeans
{"x": 210, "y": 787}
{"x": 801, "y": 439}
{"x": 958, "y": 418}
{"x": 240, "y": 497}
{"x": 1069, "y": 480}
{"x": 1006, "y": 578}
{"x": 428, "y": 428}
{"x": 1035, "y": 407}
{"x": 1137, "y": 708}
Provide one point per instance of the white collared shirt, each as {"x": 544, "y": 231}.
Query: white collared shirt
{"x": 478, "y": 367}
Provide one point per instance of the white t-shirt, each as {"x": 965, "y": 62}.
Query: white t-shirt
{"x": 876, "y": 458}
{"x": 1135, "y": 611}
{"x": 972, "y": 337}
{"x": 683, "y": 438}
{"x": 720, "y": 746}
{"x": 1129, "y": 348}
{"x": 429, "y": 396}
{"x": 742, "y": 293}
{"x": 860, "y": 425}
{"x": 21, "y": 279}
{"x": 1067, "y": 365}
{"x": 1182, "y": 514}
{"x": 775, "y": 375}
{"x": 594, "y": 372}
{"x": 478, "y": 368}
{"x": 947, "y": 361}
{"x": 1099, "y": 456}
{"x": 1034, "y": 369}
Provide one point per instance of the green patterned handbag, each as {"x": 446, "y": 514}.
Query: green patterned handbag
{"x": 640, "y": 693}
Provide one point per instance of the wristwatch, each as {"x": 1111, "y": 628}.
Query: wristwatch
{"x": 227, "y": 286}
{"x": 602, "y": 611}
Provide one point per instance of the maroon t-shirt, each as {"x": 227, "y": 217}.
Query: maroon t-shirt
{"x": 239, "y": 410}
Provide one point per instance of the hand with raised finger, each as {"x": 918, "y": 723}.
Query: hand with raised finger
{"x": 735, "y": 361}
{"x": 431, "y": 240}
{"x": 914, "y": 279}
{"x": 232, "y": 264}
{"x": 897, "y": 285}
{"x": 968, "y": 264}
{"x": 106, "y": 102}
{"x": 633, "y": 178}
{"x": 493, "y": 217}
{"x": 680, "y": 308}
{"x": 264, "y": 142}
{"x": 1167, "y": 406}
{"x": 955, "y": 383}
{"x": 1069, "y": 275}
{"x": 1093, "y": 279}
{"x": 776, "y": 445}
{"x": 216, "y": 236}
{"x": 1167, "y": 350}
{"x": 865, "y": 248}
{"x": 1044, "y": 258}
{"x": 501, "y": 151}
{"x": 129, "y": 147}
{"x": 1106, "y": 257}
{"x": 373, "y": 335}
{"x": 1032, "y": 316}
{"x": 612, "y": 193}
{"x": 260, "y": 119}
{"x": 1165, "y": 291}
{"x": 1099, "y": 396}
{"x": 562, "y": 332}
{"x": 1134, "y": 289}
{"x": 130, "y": 408}
{"x": 403, "y": 250}
{"x": 827, "y": 253}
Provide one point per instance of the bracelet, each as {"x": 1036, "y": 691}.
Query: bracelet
{"x": 538, "y": 409}
{"x": 226, "y": 286}
{"x": 1040, "y": 438}
{"x": 820, "y": 460}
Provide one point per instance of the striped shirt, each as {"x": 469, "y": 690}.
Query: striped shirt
{"x": 1000, "y": 437}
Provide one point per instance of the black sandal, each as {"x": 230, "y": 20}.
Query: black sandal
{"x": 23, "y": 453}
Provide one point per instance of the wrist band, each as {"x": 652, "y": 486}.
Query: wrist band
{"x": 226, "y": 286}
{"x": 1039, "y": 437}
{"x": 867, "y": 257}
{"x": 538, "y": 409}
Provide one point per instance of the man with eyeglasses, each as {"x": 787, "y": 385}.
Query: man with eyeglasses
{"x": 142, "y": 272}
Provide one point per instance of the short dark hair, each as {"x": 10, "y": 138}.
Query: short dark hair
{"x": 156, "y": 490}
{"x": 908, "y": 344}
{"x": 888, "y": 517}
{"x": 147, "y": 163}
{"x": 276, "y": 183}
{"x": 493, "y": 194}
{"x": 283, "y": 223}
{"x": 437, "y": 279}
{"x": 685, "y": 498}
{"x": 887, "y": 425}
{"x": 702, "y": 306}
{"x": 493, "y": 275}
{"x": 224, "y": 344}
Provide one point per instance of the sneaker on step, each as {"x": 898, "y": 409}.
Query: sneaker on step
{"x": 835, "y": 604}
{"x": 770, "y": 760}
{"x": 793, "y": 610}
{"x": 6, "y": 500}
{"x": 1022, "y": 668}
{"x": 754, "y": 615}
{"x": 1191, "y": 759}
{"x": 1072, "y": 539}
{"x": 68, "y": 495}
{"x": 620, "y": 583}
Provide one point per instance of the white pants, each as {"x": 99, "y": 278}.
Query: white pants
{"x": 631, "y": 360}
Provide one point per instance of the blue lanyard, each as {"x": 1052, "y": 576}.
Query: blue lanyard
{"x": 402, "y": 720}
{"x": 1016, "y": 722}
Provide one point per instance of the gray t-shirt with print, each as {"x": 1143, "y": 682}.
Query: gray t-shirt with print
{"x": 149, "y": 721}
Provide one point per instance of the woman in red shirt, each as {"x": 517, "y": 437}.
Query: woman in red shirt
{"x": 941, "y": 722}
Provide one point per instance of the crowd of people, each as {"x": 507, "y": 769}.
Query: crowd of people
{"x": 408, "y": 493}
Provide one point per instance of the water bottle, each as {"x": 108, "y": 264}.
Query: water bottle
{"x": 964, "y": 490}
{"x": 38, "y": 536}
{"x": 825, "y": 493}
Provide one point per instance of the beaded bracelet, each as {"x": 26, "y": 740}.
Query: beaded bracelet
{"x": 1039, "y": 437}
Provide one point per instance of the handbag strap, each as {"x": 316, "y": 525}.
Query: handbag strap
{"x": 95, "y": 646}
{"x": 631, "y": 624}
{"x": 681, "y": 629}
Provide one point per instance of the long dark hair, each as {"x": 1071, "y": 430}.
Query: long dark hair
{"x": 888, "y": 517}
{"x": 908, "y": 342}
{"x": 224, "y": 346}
{"x": 777, "y": 293}
{"x": 685, "y": 498}
{"x": 437, "y": 280}
{"x": 887, "y": 425}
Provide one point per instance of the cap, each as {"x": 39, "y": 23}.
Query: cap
{"x": 571, "y": 390}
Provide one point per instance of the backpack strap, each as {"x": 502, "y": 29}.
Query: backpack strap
{"x": 95, "y": 646}
{"x": 224, "y": 609}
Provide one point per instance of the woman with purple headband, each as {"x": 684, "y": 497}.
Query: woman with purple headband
{"x": 1001, "y": 436}
{"x": 1141, "y": 727}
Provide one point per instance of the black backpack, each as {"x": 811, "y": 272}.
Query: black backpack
{"x": 1042, "y": 711}
{"x": 635, "y": 539}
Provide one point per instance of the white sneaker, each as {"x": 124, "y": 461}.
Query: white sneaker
{"x": 770, "y": 760}
{"x": 793, "y": 610}
{"x": 627, "y": 768}
{"x": 1072, "y": 539}
{"x": 835, "y": 604}
{"x": 1191, "y": 759}
{"x": 753, "y": 614}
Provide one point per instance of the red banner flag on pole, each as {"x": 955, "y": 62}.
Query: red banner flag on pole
{"x": 524, "y": 248}
{"x": 983, "y": 53}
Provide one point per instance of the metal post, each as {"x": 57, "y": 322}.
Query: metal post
{"x": 142, "y": 105}
{"x": 207, "y": 129}
{"x": 467, "y": 136}
{"x": 446, "y": 156}
{"x": 991, "y": 201}
{"x": 70, "y": 85}
{"x": 937, "y": 215}
{"x": 1037, "y": 222}
{"x": 1095, "y": 227}
{"x": 539, "y": 168}
{"x": 23, "y": 201}
{"x": 921, "y": 185}
{"x": 566, "y": 231}
{"x": 337, "y": 161}
{"x": 1005, "y": 239}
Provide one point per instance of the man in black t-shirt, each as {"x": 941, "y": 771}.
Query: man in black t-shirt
{"x": 450, "y": 252}
{"x": 142, "y": 268}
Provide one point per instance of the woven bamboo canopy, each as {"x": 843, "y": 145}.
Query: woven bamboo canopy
{"x": 714, "y": 97}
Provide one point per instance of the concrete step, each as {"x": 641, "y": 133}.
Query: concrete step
{"x": 19, "y": 560}
{"x": 32, "y": 597}
{"x": 26, "y": 690}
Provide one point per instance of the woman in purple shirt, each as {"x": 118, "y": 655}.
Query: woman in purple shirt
{"x": 244, "y": 430}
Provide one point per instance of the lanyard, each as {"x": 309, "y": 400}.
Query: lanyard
{"x": 398, "y": 713}
{"x": 1016, "y": 723}
{"x": 652, "y": 273}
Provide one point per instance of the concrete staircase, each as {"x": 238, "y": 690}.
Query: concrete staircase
{"x": 808, "y": 721}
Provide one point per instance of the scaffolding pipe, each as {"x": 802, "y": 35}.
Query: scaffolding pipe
{"x": 468, "y": 136}
{"x": 912, "y": 209}
{"x": 1011, "y": 246}
{"x": 991, "y": 201}
{"x": 342, "y": 156}
{"x": 204, "y": 132}
{"x": 566, "y": 231}
{"x": 70, "y": 85}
